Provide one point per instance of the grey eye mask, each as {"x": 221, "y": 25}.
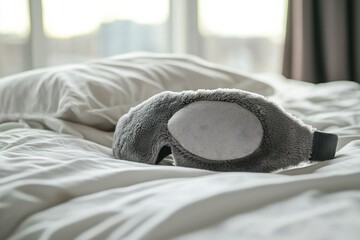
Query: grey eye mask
{"x": 219, "y": 130}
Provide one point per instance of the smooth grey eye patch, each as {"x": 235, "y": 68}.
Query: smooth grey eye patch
{"x": 216, "y": 130}
{"x": 219, "y": 130}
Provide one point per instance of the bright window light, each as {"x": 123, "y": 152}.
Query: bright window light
{"x": 68, "y": 18}
{"x": 14, "y": 17}
{"x": 245, "y": 34}
{"x": 79, "y": 30}
{"x": 14, "y": 32}
{"x": 243, "y": 18}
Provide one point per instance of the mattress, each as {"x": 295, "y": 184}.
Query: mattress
{"x": 59, "y": 179}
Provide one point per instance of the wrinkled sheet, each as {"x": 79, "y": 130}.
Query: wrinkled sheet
{"x": 57, "y": 186}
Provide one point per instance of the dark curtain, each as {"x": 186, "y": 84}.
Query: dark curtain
{"x": 322, "y": 41}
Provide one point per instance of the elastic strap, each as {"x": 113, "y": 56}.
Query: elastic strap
{"x": 324, "y": 146}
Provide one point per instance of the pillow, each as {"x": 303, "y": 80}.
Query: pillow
{"x": 98, "y": 93}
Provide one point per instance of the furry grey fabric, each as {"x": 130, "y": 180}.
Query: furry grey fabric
{"x": 142, "y": 135}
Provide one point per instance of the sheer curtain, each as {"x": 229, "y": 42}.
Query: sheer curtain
{"x": 322, "y": 40}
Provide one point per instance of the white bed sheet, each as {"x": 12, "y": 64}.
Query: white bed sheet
{"x": 57, "y": 186}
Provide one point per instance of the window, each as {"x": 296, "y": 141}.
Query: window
{"x": 248, "y": 35}
{"x": 78, "y": 30}
{"x": 14, "y": 32}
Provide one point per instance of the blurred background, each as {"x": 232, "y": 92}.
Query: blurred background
{"x": 247, "y": 35}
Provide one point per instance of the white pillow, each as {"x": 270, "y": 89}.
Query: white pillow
{"x": 99, "y": 92}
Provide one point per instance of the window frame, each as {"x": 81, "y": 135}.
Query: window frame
{"x": 37, "y": 39}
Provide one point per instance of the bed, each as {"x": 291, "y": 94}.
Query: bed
{"x": 59, "y": 179}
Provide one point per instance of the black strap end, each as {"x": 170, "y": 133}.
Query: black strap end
{"x": 324, "y": 146}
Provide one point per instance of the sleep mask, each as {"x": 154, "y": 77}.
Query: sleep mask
{"x": 219, "y": 130}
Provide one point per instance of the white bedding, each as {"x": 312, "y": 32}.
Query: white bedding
{"x": 61, "y": 186}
